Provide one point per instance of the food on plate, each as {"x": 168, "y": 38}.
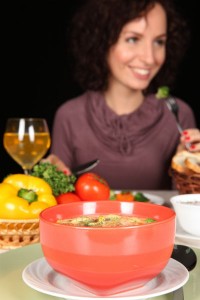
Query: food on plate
{"x": 122, "y": 196}
{"x": 92, "y": 187}
{"x": 186, "y": 162}
{"x": 24, "y": 197}
{"x": 128, "y": 196}
{"x": 141, "y": 197}
{"x": 111, "y": 220}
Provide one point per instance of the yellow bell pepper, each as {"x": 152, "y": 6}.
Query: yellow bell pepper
{"x": 24, "y": 197}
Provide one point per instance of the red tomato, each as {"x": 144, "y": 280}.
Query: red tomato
{"x": 67, "y": 197}
{"x": 91, "y": 187}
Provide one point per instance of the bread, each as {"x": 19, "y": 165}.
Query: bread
{"x": 186, "y": 162}
{"x": 193, "y": 163}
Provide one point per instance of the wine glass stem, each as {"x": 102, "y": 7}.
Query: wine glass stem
{"x": 27, "y": 172}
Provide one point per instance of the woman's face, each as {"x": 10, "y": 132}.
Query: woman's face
{"x": 140, "y": 50}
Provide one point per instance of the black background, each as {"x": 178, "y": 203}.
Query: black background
{"x": 36, "y": 77}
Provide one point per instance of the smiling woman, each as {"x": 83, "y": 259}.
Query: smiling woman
{"x": 118, "y": 116}
{"x": 136, "y": 57}
{"x": 41, "y": 38}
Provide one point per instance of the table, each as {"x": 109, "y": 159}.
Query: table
{"x": 13, "y": 262}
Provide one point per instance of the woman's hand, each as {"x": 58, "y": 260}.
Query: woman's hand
{"x": 54, "y": 160}
{"x": 191, "y": 136}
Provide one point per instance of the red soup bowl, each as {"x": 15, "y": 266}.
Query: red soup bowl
{"x": 108, "y": 260}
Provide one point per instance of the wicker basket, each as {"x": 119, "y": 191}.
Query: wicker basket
{"x": 18, "y": 233}
{"x": 186, "y": 184}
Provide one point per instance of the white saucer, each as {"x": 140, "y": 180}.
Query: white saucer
{"x": 186, "y": 238}
{"x": 154, "y": 198}
{"x": 41, "y": 277}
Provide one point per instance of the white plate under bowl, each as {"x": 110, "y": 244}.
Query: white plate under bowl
{"x": 153, "y": 198}
{"x": 41, "y": 277}
{"x": 186, "y": 238}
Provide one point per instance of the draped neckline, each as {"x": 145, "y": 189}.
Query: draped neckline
{"x": 122, "y": 132}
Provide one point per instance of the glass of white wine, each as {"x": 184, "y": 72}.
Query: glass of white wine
{"x": 26, "y": 140}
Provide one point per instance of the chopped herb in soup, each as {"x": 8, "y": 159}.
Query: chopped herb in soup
{"x": 111, "y": 220}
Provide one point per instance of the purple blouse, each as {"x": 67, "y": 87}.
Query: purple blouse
{"x": 134, "y": 150}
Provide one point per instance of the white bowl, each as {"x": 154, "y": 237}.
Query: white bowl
{"x": 187, "y": 208}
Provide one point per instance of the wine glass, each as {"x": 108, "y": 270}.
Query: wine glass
{"x": 26, "y": 140}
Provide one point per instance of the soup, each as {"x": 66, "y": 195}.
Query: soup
{"x": 111, "y": 220}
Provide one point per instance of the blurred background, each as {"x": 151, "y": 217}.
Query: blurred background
{"x": 36, "y": 75}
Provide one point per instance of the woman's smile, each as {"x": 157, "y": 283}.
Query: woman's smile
{"x": 140, "y": 51}
{"x": 141, "y": 73}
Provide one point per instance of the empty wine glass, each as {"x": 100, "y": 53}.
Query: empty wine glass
{"x": 26, "y": 140}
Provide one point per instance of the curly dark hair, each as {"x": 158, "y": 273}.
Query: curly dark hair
{"x": 96, "y": 27}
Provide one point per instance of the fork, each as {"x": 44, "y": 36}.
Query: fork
{"x": 174, "y": 108}
{"x": 83, "y": 168}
